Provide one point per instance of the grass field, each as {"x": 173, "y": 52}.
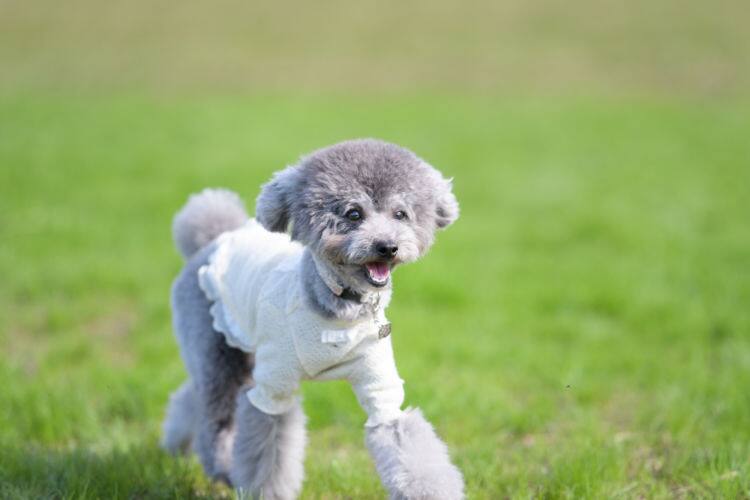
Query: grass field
{"x": 583, "y": 331}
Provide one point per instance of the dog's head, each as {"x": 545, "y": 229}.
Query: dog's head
{"x": 361, "y": 206}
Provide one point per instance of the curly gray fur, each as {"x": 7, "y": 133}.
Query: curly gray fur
{"x": 205, "y": 216}
{"x": 412, "y": 461}
{"x": 269, "y": 452}
{"x": 216, "y": 372}
{"x": 378, "y": 179}
{"x": 403, "y": 201}
{"x": 181, "y": 421}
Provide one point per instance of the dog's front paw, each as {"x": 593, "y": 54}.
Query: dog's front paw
{"x": 412, "y": 461}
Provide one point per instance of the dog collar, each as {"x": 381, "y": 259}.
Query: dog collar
{"x": 345, "y": 293}
{"x": 349, "y": 294}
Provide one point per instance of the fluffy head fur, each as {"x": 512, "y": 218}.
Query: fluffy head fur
{"x": 362, "y": 207}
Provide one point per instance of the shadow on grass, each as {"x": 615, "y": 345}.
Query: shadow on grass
{"x": 138, "y": 472}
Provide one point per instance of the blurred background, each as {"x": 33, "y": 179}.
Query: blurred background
{"x": 550, "y": 47}
{"x": 583, "y": 330}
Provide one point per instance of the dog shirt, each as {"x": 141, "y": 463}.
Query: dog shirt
{"x": 253, "y": 278}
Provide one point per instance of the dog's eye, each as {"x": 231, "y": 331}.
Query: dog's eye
{"x": 400, "y": 215}
{"x": 353, "y": 215}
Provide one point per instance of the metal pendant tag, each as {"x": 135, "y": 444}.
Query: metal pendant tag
{"x": 384, "y": 331}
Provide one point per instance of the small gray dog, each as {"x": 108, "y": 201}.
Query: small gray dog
{"x": 257, "y": 310}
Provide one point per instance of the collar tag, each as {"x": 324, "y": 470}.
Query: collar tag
{"x": 384, "y": 331}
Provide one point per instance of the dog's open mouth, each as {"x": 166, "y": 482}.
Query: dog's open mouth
{"x": 378, "y": 273}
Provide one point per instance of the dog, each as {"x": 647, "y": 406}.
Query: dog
{"x": 299, "y": 293}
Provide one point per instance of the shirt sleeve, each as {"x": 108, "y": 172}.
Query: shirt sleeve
{"x": 375, "y": 380}
{"x": 276, "y": 375}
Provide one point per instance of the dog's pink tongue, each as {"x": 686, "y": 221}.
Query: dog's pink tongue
{"x": 379, "y": 271}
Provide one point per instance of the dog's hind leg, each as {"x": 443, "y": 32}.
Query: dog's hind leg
{"x": 217, "y": 371}
{"x": 412, "y": 461}
{"x": 180, "y": 423}
{"x": 268, "y": 452}
{"x": 217, "y": 393}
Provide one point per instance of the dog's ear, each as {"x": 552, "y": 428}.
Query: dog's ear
{"x": 446, "y": 205}
{"x": 273, "y": 207}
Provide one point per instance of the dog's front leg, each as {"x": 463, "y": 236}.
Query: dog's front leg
{"x": 268, "y": 452}
{"x": 412, "y": 461}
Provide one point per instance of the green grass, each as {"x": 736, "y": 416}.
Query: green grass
{"x": 582, "y": 331}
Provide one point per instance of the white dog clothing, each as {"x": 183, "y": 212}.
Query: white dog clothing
{"x": 253, "y": 278}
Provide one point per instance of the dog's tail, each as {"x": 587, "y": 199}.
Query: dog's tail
{"x": 204, "y": 217}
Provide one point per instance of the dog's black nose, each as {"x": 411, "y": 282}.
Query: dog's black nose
{"x": 386, "y": 249}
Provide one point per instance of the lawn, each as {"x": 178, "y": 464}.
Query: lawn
{"x": 582, "y": 331}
